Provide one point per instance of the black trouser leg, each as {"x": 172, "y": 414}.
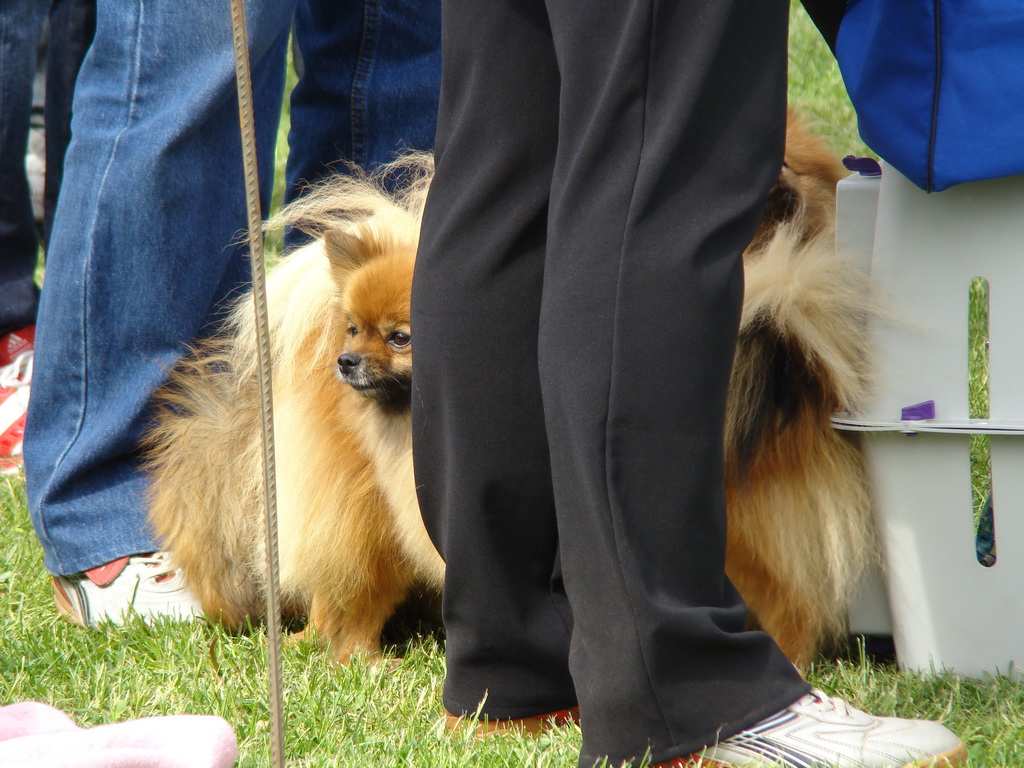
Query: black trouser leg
{"x": 642, "y": 138}
{"x": 481, "y": 452}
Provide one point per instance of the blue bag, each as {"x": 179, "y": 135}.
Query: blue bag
{"x": 938, "y": 85}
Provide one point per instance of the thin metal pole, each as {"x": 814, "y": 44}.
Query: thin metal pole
{"x": 259, "y": 292}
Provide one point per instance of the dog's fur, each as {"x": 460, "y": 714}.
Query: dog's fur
{"x": 351, "y": 541}
{"x": 352, "y": 545}
{"x": 800, "y": 528}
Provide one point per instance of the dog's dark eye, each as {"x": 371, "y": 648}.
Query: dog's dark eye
{"x": 399, "y": 339}
{"x": 353, "y": 331}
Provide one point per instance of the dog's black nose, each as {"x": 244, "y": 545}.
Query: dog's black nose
{"x": 349, "y": 362}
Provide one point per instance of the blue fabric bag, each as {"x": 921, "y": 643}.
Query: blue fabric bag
{"x": 938, "y": 85}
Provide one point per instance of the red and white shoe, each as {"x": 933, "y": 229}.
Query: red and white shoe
{"x": 145, "y": 584}
{"x": 16, "y": 351}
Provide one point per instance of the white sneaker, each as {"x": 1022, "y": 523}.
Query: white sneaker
{"x": 144, "y": 584}
{"x": 820, "y": 732}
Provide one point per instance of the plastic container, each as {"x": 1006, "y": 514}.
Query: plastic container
{"x": 948, "y": 610}
{"x": 856, "y": 213}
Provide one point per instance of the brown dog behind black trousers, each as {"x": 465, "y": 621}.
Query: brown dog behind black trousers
{"x": 352, "y": 544}
{"x": 800, "y": 531}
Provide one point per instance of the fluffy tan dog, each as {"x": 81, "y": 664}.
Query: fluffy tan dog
{"x": 800, "y": 527}
{"x": 352, "y": 545}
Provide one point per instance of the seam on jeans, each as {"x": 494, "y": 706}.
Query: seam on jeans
{"x": 361, "y": 77}
{"x": 612, "y": 364}
{"x": 131, "y": 97}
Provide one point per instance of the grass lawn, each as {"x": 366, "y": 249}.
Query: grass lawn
{"x": 362, "y": 715}
{"x": 390, "y": 716}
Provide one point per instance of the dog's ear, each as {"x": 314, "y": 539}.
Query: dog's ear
{"x": 347, "y": 250}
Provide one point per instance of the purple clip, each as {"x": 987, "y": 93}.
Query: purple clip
{"x": 919, "y": 411}
{"x": 865, "y": 166}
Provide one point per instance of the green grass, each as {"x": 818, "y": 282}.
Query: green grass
{"x": 977, "y": 365}
{"x": 816, "y": 87}
{"x": 362, "y": 715}
{"x": 384, "y": 716}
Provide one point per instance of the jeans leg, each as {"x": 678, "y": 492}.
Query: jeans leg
{"x": 398, "y": 79}
{"x": 369, "y": 86}
{"x": 143, "y": 250}
{"x": 72, "y": 24}
{"x": 21, "y": 25}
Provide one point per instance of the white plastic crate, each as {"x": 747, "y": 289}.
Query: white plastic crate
{"x": 856, "y": 212}
{"x": 948, "y": 611}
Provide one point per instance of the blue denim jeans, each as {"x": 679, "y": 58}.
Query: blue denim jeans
{"x": 370, "y": 79}
{"x": 21, "y": 25}
{"x": 369, "y": 85}
{"x": 143, "y": 252}
{"x": 72, "y": 23}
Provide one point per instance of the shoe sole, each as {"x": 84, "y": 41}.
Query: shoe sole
{"x": 65, "y": 605}
{"x": 946, "y": 760}
{"x": 520, "y": 725}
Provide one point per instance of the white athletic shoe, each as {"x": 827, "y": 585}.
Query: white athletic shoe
{"x": 821, "y": 732}
{"x": 144, "y": 584}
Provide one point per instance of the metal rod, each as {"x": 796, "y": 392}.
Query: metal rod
{"x": 259, "y": 292}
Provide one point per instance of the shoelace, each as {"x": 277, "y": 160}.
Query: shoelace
{"x": 18, "y": 373}
{"x": 159, "y": 562}
{"x": 824, "y": 703}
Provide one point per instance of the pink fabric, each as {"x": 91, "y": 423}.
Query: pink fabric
{"x": 104, "y": 574}
{"x": 35, "y": 735}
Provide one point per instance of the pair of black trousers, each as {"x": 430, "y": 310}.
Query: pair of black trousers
{"x": 600, "y": 167}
